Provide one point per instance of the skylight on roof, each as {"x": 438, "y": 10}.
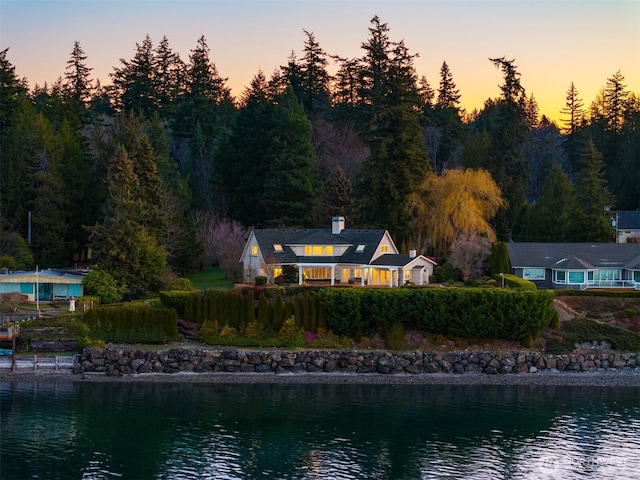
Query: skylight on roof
{"x": 360, "y": 248}
{"x": 277, "y": 247}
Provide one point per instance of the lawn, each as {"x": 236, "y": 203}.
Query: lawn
{"x": 211, "y": 278}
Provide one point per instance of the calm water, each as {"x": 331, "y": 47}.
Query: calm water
{"x": 61, "y": 430}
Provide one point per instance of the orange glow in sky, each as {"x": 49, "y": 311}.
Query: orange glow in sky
{"x": 553, "y": 43}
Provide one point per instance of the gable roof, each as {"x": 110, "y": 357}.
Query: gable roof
{"x": 400, "y": 260}
{"x": 580, "y": 256}
{"x": 349, "y": 238}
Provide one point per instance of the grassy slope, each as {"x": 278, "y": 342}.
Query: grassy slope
{"x": 211, "y": 278}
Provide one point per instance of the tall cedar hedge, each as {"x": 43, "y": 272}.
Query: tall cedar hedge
{"x": 356, "y": 312}
{"x": 132, "y": 323}
{"x": 460, "y": 312}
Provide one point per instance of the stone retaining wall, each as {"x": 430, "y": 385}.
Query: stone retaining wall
{"x": 116, "y": 361}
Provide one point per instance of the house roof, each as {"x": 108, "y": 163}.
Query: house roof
{"x": 629, "y": 220}
{"x": 400, "y": 260}
{"x": 350, "y": 238}
{"x": 578, "y": 256}
{"x": 42, "y": 276}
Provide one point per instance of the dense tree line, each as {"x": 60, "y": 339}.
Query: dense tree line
{"x": 132, "y": 173}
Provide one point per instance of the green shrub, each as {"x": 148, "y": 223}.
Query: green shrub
{"x": 394, "y": 337}
{"x": 513, "y": 281}
{"x": 9, "y": 262}
{"x": 290, "y": 333}
{"x": 290, "y": 274}
{"x": 229, "y": 332}
{"x": 254, "y": 330}
{"x": 101, "y": 284}
{"x": 261, "y": 280}
{"x": 582, "y": 330}
{"x": 182, "y": 284}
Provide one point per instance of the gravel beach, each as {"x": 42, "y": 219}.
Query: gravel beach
{"x": 610, "y": 378}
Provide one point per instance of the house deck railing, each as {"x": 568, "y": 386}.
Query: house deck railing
{"x": 611, "y": 284}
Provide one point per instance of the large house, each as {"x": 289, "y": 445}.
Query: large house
{"x": 333, "y": 256}
{"x": 577, "y": 265}
{"x": 42, "y": 285}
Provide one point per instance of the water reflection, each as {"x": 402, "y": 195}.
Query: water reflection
{"x": 197, "y": 431}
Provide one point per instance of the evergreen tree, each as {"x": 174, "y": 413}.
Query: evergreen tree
{"x": 593, "y": 222}
{"x": 34, "y": 188}
{"x": 398, "y": 161}
{"x": 315, "y": 77}
{"x": 133, "y": 82}
{"x": 77, "y": 86}
{"x": 448, "y": 94}
{"x": 512, "y": 90}
{"x": 615, "y": 102}
{"x": 573, "y": 109}
{"x": 11, "y": 90}
{"x": 122, "y": 243}
{"x": 337, "y": 198}
{"x": 506, "y": 124}
{"x": 169, "y": 77}
{"x": 240, "y": 163}
{"x": 551, "y": 217}
{"x": 290, "y": 184}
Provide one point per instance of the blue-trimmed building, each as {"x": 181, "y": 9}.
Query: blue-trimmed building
{"x": 43, "y": 285}
{"x": 577, "y": 265}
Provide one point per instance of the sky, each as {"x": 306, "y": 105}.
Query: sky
{"x": 552, "y": 43}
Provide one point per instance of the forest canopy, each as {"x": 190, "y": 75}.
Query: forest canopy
{"x": 148, "y": 170}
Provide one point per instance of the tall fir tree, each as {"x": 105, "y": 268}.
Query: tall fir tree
{"x": 593, "y": 222}
{"x": 448, "y": 94}
{"x": 398, "y": 160}
{"x": 133, "y": 82}
{"x": 78, "y": 84}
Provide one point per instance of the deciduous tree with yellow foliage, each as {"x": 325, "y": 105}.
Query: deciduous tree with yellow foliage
{"x": 458, "y": 203}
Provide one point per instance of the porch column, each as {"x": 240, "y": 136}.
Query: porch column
{"x": 391, "y": 277}
{"x": 333, "y": 275}
{"x": 300, "y": 274}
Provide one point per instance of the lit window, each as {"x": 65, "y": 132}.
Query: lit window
{"x": 329, "y": 249}
{"x": 384, "y": 248}
{"x": 277, "y": 272}
{"x": 360, "y": 248}
{"x": 277, "y": 247}
{"x": 307, "y": 250}
{"x": 318, "y": 250}
{"x": 254, "y": 250}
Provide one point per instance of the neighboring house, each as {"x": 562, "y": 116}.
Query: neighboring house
{"x": 627, "y": 225}
{"x": 577, "y": 265}
{"x": 333, "y": 256}
{"x": 43, "y": 285}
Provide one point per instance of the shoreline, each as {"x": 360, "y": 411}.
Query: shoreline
{"x": 609, "y": 378}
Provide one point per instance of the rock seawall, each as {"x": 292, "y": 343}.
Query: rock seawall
{"x": 118, "y": 361}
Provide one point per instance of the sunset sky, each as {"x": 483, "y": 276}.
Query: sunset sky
{"x": 553, "y": 43}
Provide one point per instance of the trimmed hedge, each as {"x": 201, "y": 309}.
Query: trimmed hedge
{"x": 132, "y": 323}
{"x": 474, "y": 313}
{"x": 175, "y": 299}
{"x": 513, "y": 281}
{"x": 510, "y": 314}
